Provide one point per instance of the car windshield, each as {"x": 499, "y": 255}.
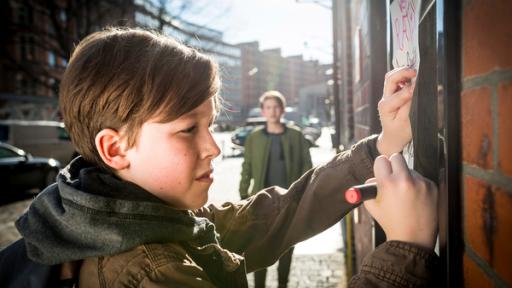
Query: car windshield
{"x": 8, "y": 153}
{"x": 63, "y": 134}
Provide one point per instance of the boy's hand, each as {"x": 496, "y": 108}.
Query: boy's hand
{"x": 394, "y": 110}
{"x": 406, "y": 203}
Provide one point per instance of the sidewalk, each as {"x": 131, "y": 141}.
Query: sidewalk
{"x": 8, "y": 214}
{"x": 308, "y": 271}
{"x": 317, "y": 262}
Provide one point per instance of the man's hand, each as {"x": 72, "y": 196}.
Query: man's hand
{"x": 394, "y": 108}
{"x": 406, "y": 203}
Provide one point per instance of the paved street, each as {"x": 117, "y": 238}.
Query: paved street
{"x": 8, "y": 214}
{"x": 317, "y": 262}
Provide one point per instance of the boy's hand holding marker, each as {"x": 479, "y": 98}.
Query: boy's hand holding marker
{"x": 406, "y": 202}
{"x": 402, "y": 201}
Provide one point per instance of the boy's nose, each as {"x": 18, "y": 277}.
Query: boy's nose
{"x": 212, "y": 149}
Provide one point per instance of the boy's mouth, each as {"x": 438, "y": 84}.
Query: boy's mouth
{"x": 206, "y": 177}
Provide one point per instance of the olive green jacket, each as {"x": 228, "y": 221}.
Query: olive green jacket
{"x": 256, "y": 154}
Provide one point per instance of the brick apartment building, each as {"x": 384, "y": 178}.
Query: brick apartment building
{"x": 264, "y": 70}
{"x": 37, "y": 37}
{"x": 462, "y": 124}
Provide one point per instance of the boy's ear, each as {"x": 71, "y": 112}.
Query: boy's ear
{"x": 111, "y": 147}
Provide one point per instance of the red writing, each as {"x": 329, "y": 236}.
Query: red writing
{"x": 404, "y": 27}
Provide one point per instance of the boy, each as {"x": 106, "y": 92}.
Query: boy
{"x": 274, "y": 155}
{"x": 128, "y": 212}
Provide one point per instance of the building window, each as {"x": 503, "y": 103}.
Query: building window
{"x": 27, "y": 47}
{"x": 52, "y": 59}
{"x": 63, "y": 16}
{"x": 51, "y": 29}
{"x": 24, "y": 15}
{"x": 25, "y": 86}
{"x": 54, "y": 87}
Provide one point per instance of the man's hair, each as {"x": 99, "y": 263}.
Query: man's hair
{"x": 273, "y": 94}
{"x": 120, "y": 78}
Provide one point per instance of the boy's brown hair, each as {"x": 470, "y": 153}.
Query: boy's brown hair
{"x": 120, "y": 78}
{"x": 273, "y": 94}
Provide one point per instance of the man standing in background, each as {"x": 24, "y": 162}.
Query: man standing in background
{"x": 274, "y": 155}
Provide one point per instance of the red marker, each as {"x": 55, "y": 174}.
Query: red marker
{"x": 357, "y": 194}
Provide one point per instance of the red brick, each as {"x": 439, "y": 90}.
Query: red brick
{"x": 477, "y": 127}
{"x": 474, "y": 192}
{"x": 487, "y": 36}
{"x": 474, "y": 276}
{"x": 505, "y": 127}
{"x": 502, "y": 247}
{"x": 493, "y": 245}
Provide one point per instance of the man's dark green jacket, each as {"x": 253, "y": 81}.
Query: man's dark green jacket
{"x": 256, "y": 153}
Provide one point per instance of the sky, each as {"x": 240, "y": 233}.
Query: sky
{"x": 295, "y": 26}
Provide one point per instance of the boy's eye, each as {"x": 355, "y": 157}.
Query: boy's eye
{"x": 189, "y": 130}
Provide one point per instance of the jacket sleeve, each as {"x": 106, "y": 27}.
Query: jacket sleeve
{"x": 266, "y": 224}
{"x": 306, "y": 155}
{"x": 397, "y": 264}
{"x": 246, "y": 174}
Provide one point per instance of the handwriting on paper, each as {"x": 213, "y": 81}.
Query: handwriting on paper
{"x": 404, "y": 23}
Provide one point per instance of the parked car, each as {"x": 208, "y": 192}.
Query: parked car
{"x": 21, "y": 171}
{"x": 312, "y": 134}
{"x": 39, "y": 138}
{"x": 240, "y": 134}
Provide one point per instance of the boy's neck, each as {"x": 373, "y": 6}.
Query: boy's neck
{"x": 275, "y": 127}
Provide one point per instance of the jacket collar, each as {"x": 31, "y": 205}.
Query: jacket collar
{"x": 265, "y": 131}
{"x": 90, "y": 212}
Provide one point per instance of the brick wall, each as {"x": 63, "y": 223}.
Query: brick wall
{"x": 486, "y": 107}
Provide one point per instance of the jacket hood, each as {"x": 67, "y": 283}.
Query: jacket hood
{"x": 90, "y": 212}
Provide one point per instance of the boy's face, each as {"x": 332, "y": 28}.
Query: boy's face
{"x": 272, "y": 111}
{"x": 173, "y": 160}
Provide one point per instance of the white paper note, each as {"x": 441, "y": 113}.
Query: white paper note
{"x": 405, "y": 15}
{"x": 405, "y": 18}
